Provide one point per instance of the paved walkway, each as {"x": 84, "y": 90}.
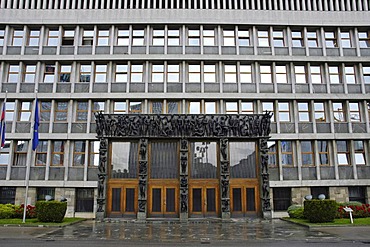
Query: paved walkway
{"x": 190, "y": 232}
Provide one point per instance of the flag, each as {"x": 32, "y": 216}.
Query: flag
{"x": 2, "y": 124}
{"x": 35, "y": 140}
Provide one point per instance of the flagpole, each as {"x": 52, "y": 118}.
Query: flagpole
{"x": 28, "y": 168}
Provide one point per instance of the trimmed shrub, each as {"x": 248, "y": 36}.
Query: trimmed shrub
{"x": 6, "y": 211}
{"x": 296, "y": 211}
{"x": 51, "y": 211}
{"x": 320, "y": 211}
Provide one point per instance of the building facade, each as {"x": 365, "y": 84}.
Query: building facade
{"x": 305, "y": 61}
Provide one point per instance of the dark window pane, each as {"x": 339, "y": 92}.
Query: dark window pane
{"x": 130, "y": 200}
{"x": 42, "y": 192}
{"x": 251, "y": 203}
{"x": 282, "y": 198}
{"x": 156, "y": 200}
{"x": 357, "y": 194}
{"x": 316, "y": 191}
{"x": 7, "y": 195}
{"x": 197, "y": 200}
{"x": 211, "y": 200}
{"x": 84, "y": 200}
{"x": 237, "y": 199}
{"x": 116, "y": 199}
{"x": 170, "y": 200}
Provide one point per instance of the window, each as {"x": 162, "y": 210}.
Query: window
{"x": 286, "y": 153}
{"x": 45, "y": 111}
{"x": 272, "y": 153}
{"x": 119, "y": 107}
{"x": 300, "y": 74}
{"x": 158, "y": 37}
{"x": 230, "y": 73}
{"x": 13, "y": 74}
{"x": 49, "y": 73}
{"x": 194, "y": 108}
{"x": 232, "y": 108}
{"x": 138, "y": 37}
{"x": 34, "y": 38}
{"x": 244, "y": 38}
{"x": 334, "y": 74}
{"x": 173, "y": 107}
{"x": 42, "y": 192}
{"x": 315, "y": 74}
{"x": 20, "y": 153}
{"x": 41, "y": 153}
{"x": 363, "y": 37}
{"x": 94, "y": 153}
{"x": 266, "y": 76}
{"x": 10, "y": 108}
{"x": 158, "y": 73}
{"x": 209, "y": 73}
{"x": 366, "y": 74}
{"x": 81, "y": 111}
{"x": 7, "y": 195}
{"x": 278, "y": 37}
{"x": 85, "y": 73}
{"x": 68, "y": 38}
{"x": 53, "y": 37}
{"x": 323, "y": 149}
{"x": 331, "y": 39}
{"x": 100, "y": 73}
{"x": 25, "y": 111}
{"x": 2, "y": 34}
{"x": 194, "y": 73}
{"x": 284, "y": 113}
{"x": 349, "y": 72}
{"x": 319, "y": 109}
{"x": 245, "y": 72}
{"x": 338, "y": 112}
{"x": 316, "y": 191}
{"x": 137, "y": 73}
{"x": 97, "y": 107}
{"x": 173, "y": 37}
{"x": 65, "y": 73}
{"x": 307, "y": 153}
{"x": 135, "y": 107}
{"x": 88, "y": 37}
{"x": 269, "y": 106}
{"x": 84, "y": 200}
{"x": 354, "y": 112}
{"x": 282, "y": 198}
{"x": 17, "y": 38}
{"x": 79, "y": 149}
{"x": 194, "y": 37}
{"x": 303, "y": 112}
{"x": 229, "y": 37}
{"x": 121, "y": 73}
{"x": 357, "y": 194}
{"x": 359, "y": 152}
{"x": 210, "y": 108}
{"x": 61, "y": 111}
{"x": 123, "y": 37}
{"x": 280, "y": 73}
{"x": 247, "y": 108}
{"x": 173, "y": 73}
{"x": 4, "y": 155}
{"x": 103, "y": 37}
{"x": 345, "y": 39}
{"x": 343, "y": 153}
{"x": 57, "y": 153}
{"x": 263, "y": 38}
{"x": 297, "y": 40}
{"x": 156, "y": 107}
{"x": 29, "y": 73}
{"x": 312, "y": 39}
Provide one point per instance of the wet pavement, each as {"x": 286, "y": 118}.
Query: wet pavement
{"x": 193, "y": 233}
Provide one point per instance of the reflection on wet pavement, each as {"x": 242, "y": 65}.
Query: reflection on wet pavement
{"x": 188, "y": 232}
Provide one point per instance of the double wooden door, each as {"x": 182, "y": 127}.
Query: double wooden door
{"x": 163, "y": 199}
{"x": 204, "y": 199}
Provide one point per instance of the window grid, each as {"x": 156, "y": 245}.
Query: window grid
{"x": 57, "y": 154}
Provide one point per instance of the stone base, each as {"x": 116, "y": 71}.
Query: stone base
{"x": 267, "y": 215}
{"x": 225, "y": 215}
{"x": 100, "y": 216}
{"x": 141, "y": 216}
{"x": 183, "y": 217}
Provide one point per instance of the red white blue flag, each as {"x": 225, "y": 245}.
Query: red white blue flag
{"x": 2, "y": 124}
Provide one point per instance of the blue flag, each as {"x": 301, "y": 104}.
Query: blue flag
{"x": 35, "y": 140}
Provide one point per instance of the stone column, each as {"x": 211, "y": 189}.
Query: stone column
{"x": 143, "y": 179}
{"x": 264, "y": 180}
{"x": 184, "y": 179}
{"x": 102, "y": 179}
{"x": 225, "y": 178}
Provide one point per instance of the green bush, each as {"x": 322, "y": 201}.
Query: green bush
{"x": 296, "y": 211}
{"x": 51, "y": 211}
{"x": 320, "y": 211}
{"x": 6, "y": 211}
